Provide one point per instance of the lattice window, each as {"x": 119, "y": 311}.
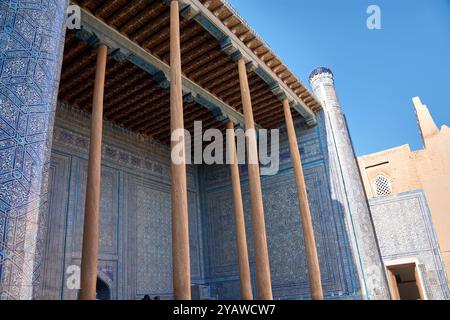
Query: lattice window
{"x": 382, "y": 186}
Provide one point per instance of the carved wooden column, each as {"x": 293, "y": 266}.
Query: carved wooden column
{"x": 308, "y": 232}
{"x": 241, "y": 238}
{"x": 180, "y": 224}
{"x": 89, "y": 258}
{"x": 259, "y": 224}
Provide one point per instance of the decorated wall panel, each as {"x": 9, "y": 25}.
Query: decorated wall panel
{"x": 31, "y": 43}
{"x": 411, "y": 238}
{"x": 135, "y": 221}
{"x": 286, "y": 247}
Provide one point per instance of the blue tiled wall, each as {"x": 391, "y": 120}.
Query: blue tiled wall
{"x": 135, "y": 233}
{"x": 31, "y": 43}
{"x": 286, "y": 248}
{"x": 411, "y": 238}
{"x": 135, "y": 249}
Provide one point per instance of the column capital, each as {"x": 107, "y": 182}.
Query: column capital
{"x": 189, "y": 97}
{"x": 119, "y": 55}
{"x": 188, "y": 10}
{"x": 278, "y": 91}
{"x": 251, "y": 66}
{"x": 90, "y": 38}
{"x": 161, "y": 78}
{"x": 235, "y": 121}
{"x": 311, "y": 121}
{"x": 230, "y": 48}
{"x": 220, "y": 116}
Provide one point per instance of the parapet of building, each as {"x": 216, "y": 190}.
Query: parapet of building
{"x": 396, "y": 174}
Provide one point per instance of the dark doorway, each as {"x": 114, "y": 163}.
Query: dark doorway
{"x": 405, "y": 282}
{"x": 103, "y": 292}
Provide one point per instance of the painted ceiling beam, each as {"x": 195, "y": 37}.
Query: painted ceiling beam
{"x": 122, "y": 48}
{"x": 233, "y": 46}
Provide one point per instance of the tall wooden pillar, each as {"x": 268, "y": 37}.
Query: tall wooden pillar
{"x": 180, "y": 224}
{"x": 89, "y": 258}
{"x": 259, "y": 226}
{"x": 305, "y": 213}
{"x": 241, "y": 238}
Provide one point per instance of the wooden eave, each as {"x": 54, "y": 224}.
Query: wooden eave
{"x": 138, "y": 100}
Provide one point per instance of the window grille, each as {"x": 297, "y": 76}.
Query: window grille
{"x": 382, "y": 186}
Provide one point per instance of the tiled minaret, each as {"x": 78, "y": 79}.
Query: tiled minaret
{"x": 348, "y": 189}
{"x": 31, "y": 45}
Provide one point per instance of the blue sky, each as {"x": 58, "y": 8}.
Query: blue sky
{"x": 377, "y": 72}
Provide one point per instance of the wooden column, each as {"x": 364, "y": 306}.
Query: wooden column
{"x": 180, "y": 224}
{"x": 241, "y": 238}
{"x": 308, "y": 232}
{"x": 89, "y": 258}
{"x": 259, "y": 225}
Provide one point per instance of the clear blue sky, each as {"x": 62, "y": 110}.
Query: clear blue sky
{"x": 377, "y": 72}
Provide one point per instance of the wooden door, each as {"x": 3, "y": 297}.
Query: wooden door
{"x": 393, "y": 285}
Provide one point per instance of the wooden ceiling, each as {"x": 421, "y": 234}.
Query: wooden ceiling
{"x": 237, "y": 25}
{"x": 133, "y": 99}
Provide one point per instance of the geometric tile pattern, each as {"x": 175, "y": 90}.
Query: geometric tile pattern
{"x": 31, "y": 43}
{"x": 142, "y": 263}
{"x": 135, "y": 214}
{"x": 141, "y": 218}
{"x": 412, "y": 236}
{"x": 155, "y": 229}
{"x": 154, "y": 159}
{"x": 284, "y": 231}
